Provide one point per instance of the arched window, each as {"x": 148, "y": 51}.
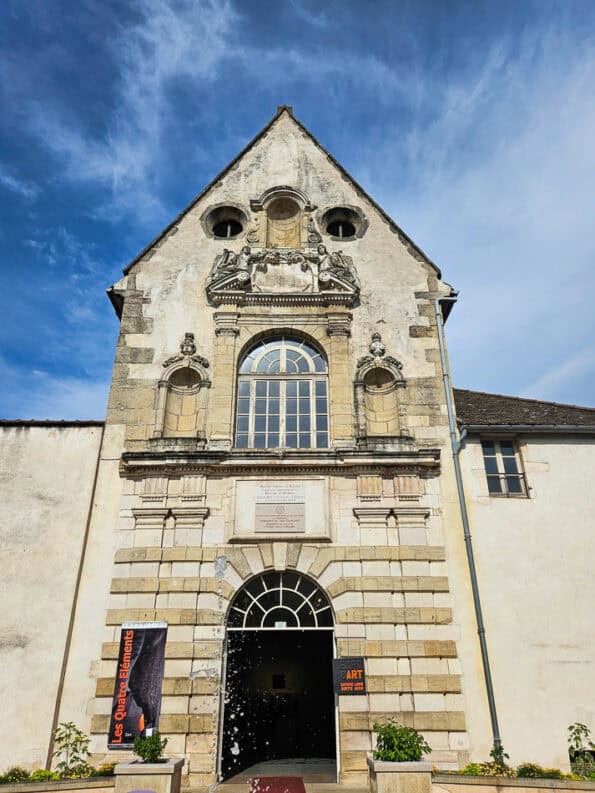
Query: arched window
{"x": 282, "y": 397}
{"x": 280, "y": 600}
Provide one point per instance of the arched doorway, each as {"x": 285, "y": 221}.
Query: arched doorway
{"x": 278, "y": 702}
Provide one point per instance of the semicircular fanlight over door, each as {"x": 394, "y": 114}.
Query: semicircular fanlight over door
{"x": 280, "y": 600}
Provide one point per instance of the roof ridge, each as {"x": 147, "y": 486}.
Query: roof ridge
{"x": 281, "y": 109}
{"x": 526, "y": 399}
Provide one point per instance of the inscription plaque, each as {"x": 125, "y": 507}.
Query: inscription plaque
{"x": 280, "y": 507}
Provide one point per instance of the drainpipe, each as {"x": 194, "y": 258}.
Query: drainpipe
{"x": 456, "y": 445}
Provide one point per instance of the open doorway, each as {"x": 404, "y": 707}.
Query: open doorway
{"x": 279, "y": 702}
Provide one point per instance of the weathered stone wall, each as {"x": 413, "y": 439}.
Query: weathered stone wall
{"x": 45, "y": 491}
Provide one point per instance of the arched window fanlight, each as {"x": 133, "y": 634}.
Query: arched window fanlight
{"x": 280, "y": 600}
{"x": 282, "y": 397}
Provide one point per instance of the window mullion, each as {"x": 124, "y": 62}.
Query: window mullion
{"x": 500, "y": 467}
{"x": 252, "y": 407}
{"x": 312, "y": 414}
{"x": 282, "y": 442}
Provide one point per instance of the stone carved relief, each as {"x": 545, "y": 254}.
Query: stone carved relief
{"x": 376, "y": 385}
{"x": 188, "y": 350}
{"x": 313, "y": 234}
{"x": 253, "y": 235}
{"x": 377, "y": 350}
{"x": 290, "y": 271}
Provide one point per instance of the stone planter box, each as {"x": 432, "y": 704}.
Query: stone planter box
{"x": 163, "y": 777}
{"x": 399, "y": 777}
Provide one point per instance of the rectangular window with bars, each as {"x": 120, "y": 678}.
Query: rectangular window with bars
{"x": 503, "y": 470}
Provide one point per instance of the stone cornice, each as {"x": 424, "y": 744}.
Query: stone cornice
{"x": 237, "y": 297}
{"x": 279, "y": 462}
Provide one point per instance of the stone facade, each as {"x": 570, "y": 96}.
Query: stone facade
{"x": 375, "y": 541}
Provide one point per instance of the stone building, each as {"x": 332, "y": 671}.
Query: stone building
{"x": 275, "y": 481}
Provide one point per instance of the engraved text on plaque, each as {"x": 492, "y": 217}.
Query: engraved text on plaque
{"x": 280, "y": 507}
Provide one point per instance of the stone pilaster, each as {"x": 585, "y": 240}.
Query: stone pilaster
{"x": 221, "y": 411}
{"x": 340, "y": 399}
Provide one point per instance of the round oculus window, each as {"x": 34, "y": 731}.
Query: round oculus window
{"x": 225, "y": 222}
{"x": 342, "y": 223}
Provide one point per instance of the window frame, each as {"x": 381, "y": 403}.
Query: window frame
{"x": 501, "y": 474}
{"x": 311, "y": 385}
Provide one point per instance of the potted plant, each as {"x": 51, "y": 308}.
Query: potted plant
{"x": 396, "y": 765}
{"x": 153, "y": 771}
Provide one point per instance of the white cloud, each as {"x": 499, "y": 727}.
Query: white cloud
{"x": 318, "y": 19}
{"x": 550, "y": 383}
{"x": 40, "y": 395}
{"x": 175, "y": 40}
{"x": 75, "y": 292}
{"x": 28, "y": 190}
{"x": 501, "y": 195}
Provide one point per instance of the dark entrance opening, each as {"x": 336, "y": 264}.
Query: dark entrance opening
{"x": 279, "y": 700}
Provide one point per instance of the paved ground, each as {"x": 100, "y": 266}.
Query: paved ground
{"x": 319, "y": 776}
{"x": 311, "y": 769}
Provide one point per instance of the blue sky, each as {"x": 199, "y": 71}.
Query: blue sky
{"x": 472, "y": 123}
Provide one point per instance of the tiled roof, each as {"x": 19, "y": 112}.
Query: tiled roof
{"x": 474, "y": 408}
{"x": 51, "y": 423}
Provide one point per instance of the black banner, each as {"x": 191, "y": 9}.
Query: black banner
{"x": 349, "y": 676}
{"x": 139, "y": 676}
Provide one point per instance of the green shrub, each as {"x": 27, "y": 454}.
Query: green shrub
{"x": 552, "y": 773}
{"x": 399, "y": 744}
{"x": 581, "y": 750}
{"x": 72, "y": 751}
{"x": 151, "y": 748}
{"x": 42, "y": 775}
{"x": 534, "y": 771}
{"x": 473, "y": 769}
{"x": 497, "y": 766}
{"x": 107, "y": 769}
{"x": 16, "y": 774}
{"x": 529, "y": 771}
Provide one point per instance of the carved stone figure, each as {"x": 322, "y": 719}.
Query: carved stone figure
{"x": 376, "y": 347}
{"x": 188, "y": 347}
{"x": 188, "y": 350}
{"x": 253, "y": 235}
{"x": 335, "y": 264}
{"x": 343, "y": 266}
{"x": 225, "y": 263}
{"x": 244, "y": 258}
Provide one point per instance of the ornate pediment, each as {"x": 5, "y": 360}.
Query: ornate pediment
{"x": 283, "y": 275}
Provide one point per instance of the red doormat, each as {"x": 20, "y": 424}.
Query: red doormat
{"x": 277, "y": 784}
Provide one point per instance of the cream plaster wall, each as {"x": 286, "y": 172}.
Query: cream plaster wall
{"x": 46, "y": 477}
{"x": 538, "y": 593}
{"x": 89, "y": 630}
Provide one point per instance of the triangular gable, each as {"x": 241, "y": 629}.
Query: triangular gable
{"x": 414, "y": 249}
